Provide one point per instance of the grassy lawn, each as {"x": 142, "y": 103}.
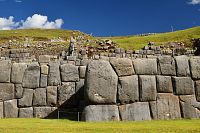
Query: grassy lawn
{"x": 64, "y": 126}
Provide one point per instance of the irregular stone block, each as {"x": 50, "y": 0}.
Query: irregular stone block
{"x": 54, "y": 74}
{"x": 195, "y": 67}
{"x": 166, "y": 65}
{"x": 26, "y": 112}
{"x": 32, "y": 76}
{"x": 1, "y": 109}
{"x": 128, "y": 90}
{"x": 164, "y": 84}
{"x": 69, "y": 72}
{"x": 135, "y": 112}
{"x": 5, "y": 70}
{"x": 43, "y": 81}
{"x": 101, "y": 85}
{"x": 182, "y": 64}
{"x": 51, "y": 95}
{"x": 183, "y": 85}
{"x": 6, "y": 91}
{"x": 18, "y": 91}
{"x": 82, "y": 71}
{"x": 80, "y": 85}
{"x": 197, "y": 85}
{"x": 44, "y": 69}
{"x": 26, "y": 100}
{"x": 122, "y": 66}
{"x": 145, "y": 66}
{"x": 44, "y": 59}
{"x": 10, "y": 109}
{"x": 42, "y": 112}
{"x": 147, "y": 88}
{"x": 39, "y": 97}
{"x": 101, "y": 113}
{"x": 18, "y": 70}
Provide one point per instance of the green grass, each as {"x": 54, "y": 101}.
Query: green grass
{"x": 66, "y": 126}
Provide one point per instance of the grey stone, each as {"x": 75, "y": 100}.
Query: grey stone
{"x": 10, "y": 109}
{"x": 1, "y": 109}
{"x": 195, "y": 67}
{"x": 54, "y": 74}
{"x": 122, "y": 66}
{"x": 26, "y": 100}
{"x": 182, "y": 64}
{"x": 6, "y": 91}
{"x": 166, "y": 65}
{"x": 51, "y": 95}
{"x": 128, "y": 90}
{"x": 17, "y": 74}
{"x": 101, "y": 85}
{"x": 82, "y": 71}
{"x": 147, "y": 88}
{"x": 101, "y": 113}
{"x": 44, "y": 58}
{"x": 39, "y": 97}
{"x": 32, "y": 76}
{"x": 183, "y": 85}
{"x": 44, "y": 69}
{"x": 135, "y": 112}
{"x": 18, "y": 91}
{"x": 80, "y": 84}
{"x": 69, "y": 73}
{"x": 42, "y": 112}
{"x": 5, "y": 70}
{"x": 43, "y": 81}
{"x": 164, "y": 84}
{"x": 26, "y": 112}
{"x": 197, "y": 86}
{"x": 145, "y": 66}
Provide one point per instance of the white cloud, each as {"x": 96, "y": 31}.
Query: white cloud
{"x": 194, "y": 2}
{"x": 36, "y": 21}
{"x": 18, "y": 1}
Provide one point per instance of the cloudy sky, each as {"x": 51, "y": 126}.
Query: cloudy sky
{"x": 101, "y": 17}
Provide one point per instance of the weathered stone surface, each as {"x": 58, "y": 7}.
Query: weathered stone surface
{"x": 10, "y": 109}
{"x": 39, "y": 97}
{"x": 101, "y": 85}
{"x": 183, "y": 85}
{"x": 54, "y": 74}
{"x": 101, "y": 113}
{"x": 44, "y": 69}
{"x": 80, "y": 84}
{"x": 26, "y": 112}
{"x": 145, "y": 66}
{"x": 44, "y": 58}
{"x": 147, "y": 88}
{"x": 43, "y": 81}
{"x": 1, "y": 109}
{"x": 164, "y": 84}
{"x": 197, "y": 86}
{"x": 65, "y": 92}
{"x": 195, "y": 67}
{"x": 166, "y": 64}
{"x": 52, "y": 95}
{"x": 18, "y": 70}
{"x": 122, "y": 66}
{"x": 182, "y": 64}
{"x": 6, "y": 91}
{"x": 5, "y": 70}
{"x": 42, "y": 112}
{"x": 128, "y": 90}
{"x": 69, "y": 73}
{"x": 26, "y": 100}
{"x": 31, "y": 77}
{"x": 18, "y": 91}
{"x": 82, "y": 71}
{"x": 135, "y": 112}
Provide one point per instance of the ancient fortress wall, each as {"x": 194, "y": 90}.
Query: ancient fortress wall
{"x": 107, "y": 89}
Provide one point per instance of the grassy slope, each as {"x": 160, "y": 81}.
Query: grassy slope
{"x": 136, "y": 42}
{"x": 64, "y": 126}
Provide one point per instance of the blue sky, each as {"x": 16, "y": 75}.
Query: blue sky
{"x": 101, "y": 17}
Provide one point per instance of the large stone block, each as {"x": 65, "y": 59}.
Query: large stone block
{"x": 182, "y": 66}
{"x": 101, "y": 113}
{"x": 44, "y": 58}
{"x": 18, "y": 70}
{"x": 32, "y": 76}
{"x": 183, "y": 85}
{"x": 26, "y": 112}
{"x": 164, "y": 84}
{"x": 135, "y": 112}
{"x": 18, "y": 91}
{"x": 166, "y": 64}
{"x": 39, "y": 97}
{"x": 82, "y": 71}
{"x": 54, "y": 74}
{"x": 42, "y": 112}
{"x": 122, "y": 66}
{"x": 10, "y": 109}
{"x": 101, "y": 85}
{"x": 69, "y": 73}
{"x": 145, "y": 66}
{"x": 128, "y": 89}
{"x": 1, "y": 109}
{"x": 195, "y": 67}
{"x": 43, "y": 81}
{"x": 26, "y": 100}
{"x": 44, "y": 69}
{"x": 80, "y": 89}
{"x": 197, "y": 86}
{"x": 6, "y": 91}
{"x": 147, "y": 88}
{"x": 5, "y": 70}
{"x": 52, "y": 95}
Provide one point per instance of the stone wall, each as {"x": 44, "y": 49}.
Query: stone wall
{"x": 107, "y": 89}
